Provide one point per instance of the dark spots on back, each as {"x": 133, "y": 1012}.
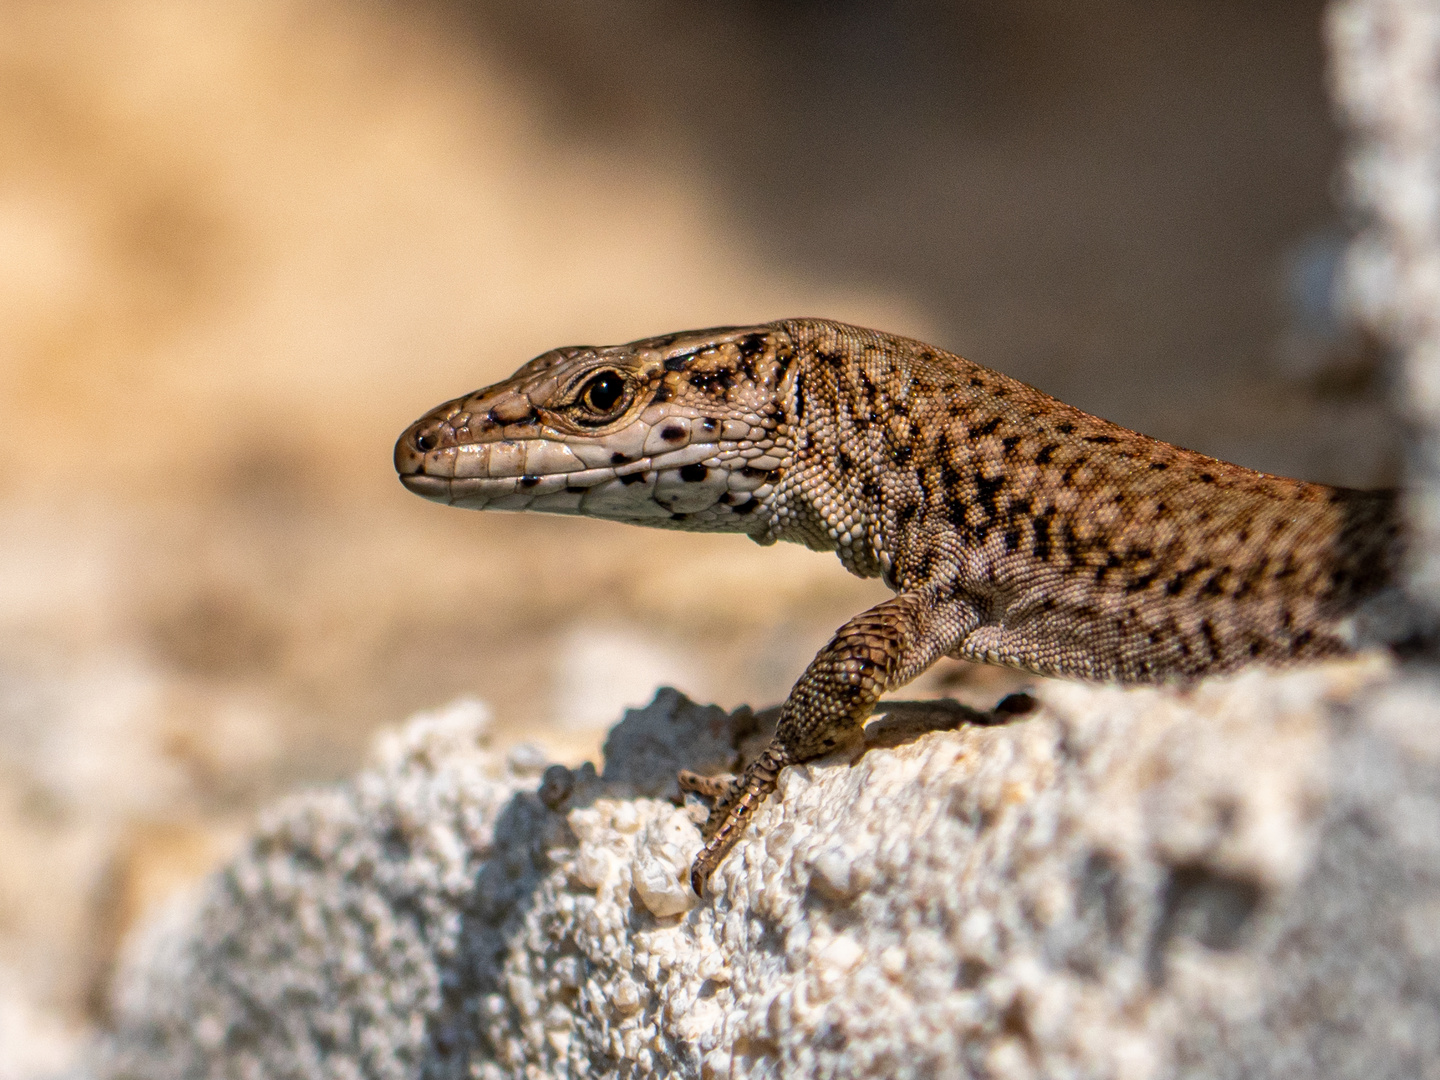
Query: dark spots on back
{"x": 1071, "y": 542}
{"x": 529, "y": 481}
{"x": 1048, "y": 604}
{"x": 1041, "y": 545}
{"x": 1176, "y": 585}
{"x": 1142, "y": 582}
{"x": 1300, "y": 640}
{"x": 693, "y": 474}
{"x": 902, "y": 454}
{"x": 1046, "y": 454}
{"x": 618, "y": 458}
{"x": 1066, "y": 428}
{"x": 1159, "y": 466}
{"x": 632, "y": 478}
{"x": 1009, "y": 443}
{"x": 1212, "y": 643}
{"x": 1012, "y": 539}
{"x": 956, "y": 512}
{"x": 1102, "y": 439}
{"x": 1112, "y": 562}
{"x": 800, "y": 397}
{"x": 1067, "y": 477}
{"x": 1207, "y": 478}
{"x": 672, "y": 433}
{"x": 1018, "y": 507}
{"x": 1172, "y": 631}
{"x": 847, "y": 463}
{"x": 987, "y": 428}
{"x": 986, "y": 489}
{"x": 976, "y": 381}
{"x": 1252, "y": 577}
{"x": 834, "y": 359}
{"x": 1215, "y": 583}
{"x": 905, "y": 513}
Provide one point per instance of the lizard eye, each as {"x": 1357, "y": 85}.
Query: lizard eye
{"x": 602, "y": 392}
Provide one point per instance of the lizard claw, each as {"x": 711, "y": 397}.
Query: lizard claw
{"x": 733, "y": 809}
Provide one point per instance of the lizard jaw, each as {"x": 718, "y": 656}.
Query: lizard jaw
{"x": 702, "y": 483}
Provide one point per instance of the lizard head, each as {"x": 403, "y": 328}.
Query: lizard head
{"x": 682, "y": 431}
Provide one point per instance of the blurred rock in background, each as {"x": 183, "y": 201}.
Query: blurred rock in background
{"x": 243, "y": 244}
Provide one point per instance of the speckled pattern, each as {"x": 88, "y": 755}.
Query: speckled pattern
{"x": 1013, "y": 528}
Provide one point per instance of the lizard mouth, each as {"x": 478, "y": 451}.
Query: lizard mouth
{"x": 514, "y": 475}
{"x": 426, "y": 486}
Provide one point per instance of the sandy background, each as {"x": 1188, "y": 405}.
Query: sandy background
{"x": 244, "y": 243}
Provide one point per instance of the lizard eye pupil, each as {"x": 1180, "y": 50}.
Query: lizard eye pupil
{"x": 602, "y": 392}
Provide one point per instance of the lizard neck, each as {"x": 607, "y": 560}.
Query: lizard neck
{"x": 845, "y": 404}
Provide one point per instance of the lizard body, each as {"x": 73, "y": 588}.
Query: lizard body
{"x": 1013, "y": 529}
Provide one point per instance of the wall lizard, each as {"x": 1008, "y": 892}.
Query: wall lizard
{"x": 1013, "y": 529}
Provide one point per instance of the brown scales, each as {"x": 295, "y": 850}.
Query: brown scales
{"x": 1013, "y": 529}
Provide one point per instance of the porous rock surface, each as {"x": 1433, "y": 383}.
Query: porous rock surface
{"x": 1238, "y": 880}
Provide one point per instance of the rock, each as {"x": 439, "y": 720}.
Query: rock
{"x": 1239, "y": 879}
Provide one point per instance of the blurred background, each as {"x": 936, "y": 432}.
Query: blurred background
{"x": 244, "y": 242}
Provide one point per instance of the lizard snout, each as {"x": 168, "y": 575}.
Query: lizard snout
{"x": 420, "y": 456}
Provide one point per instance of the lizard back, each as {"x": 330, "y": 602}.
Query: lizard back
{"x": 1085, "y": 548}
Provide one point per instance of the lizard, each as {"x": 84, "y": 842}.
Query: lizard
{"x": 1012, "y": 528}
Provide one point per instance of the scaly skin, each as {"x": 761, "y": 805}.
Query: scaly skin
{"x": 1013, "y": 529}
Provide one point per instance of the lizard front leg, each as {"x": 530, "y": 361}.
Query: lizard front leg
{"x": 877, "y": 651}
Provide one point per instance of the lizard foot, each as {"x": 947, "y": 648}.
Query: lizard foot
{"x": 709, "y": 787}
{"x": 735, "y": 805}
